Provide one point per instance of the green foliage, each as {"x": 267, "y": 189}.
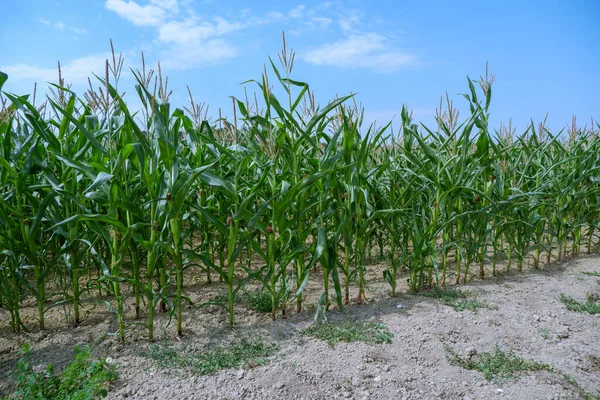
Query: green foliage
{"x": 545, "y": 333}
{"x": 243, "y": 354}
{"x": 350, "y": 331}
{"x": 84, "y": 378}
{"x": 591, "y": 305}
{"x": 455, "y": 298}
{"x": 468, "y": 304}
{"x": 221, "y": 299}
{"x": 498, "y": 365}
{"x": 591, "y": 273}
{"x": 261, "y": 300}
{"x": 3, "y": 79}
{"x": 585, "y": 395}
{"x": 445, "y": 293}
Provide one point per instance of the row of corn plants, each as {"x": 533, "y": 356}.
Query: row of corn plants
{"x": 101, "y": 203}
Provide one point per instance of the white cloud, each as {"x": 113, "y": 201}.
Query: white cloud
{"x": 184, "y": 38}
{"x": 46, "y": 22}
{"x": 328, "y": 4}
{"x": 347, "y": 22}
{"x": 368, "y": 50}
{"x": 193, "y": 32}
{"x": 79, "y": 31}
{"x": 357, "y": 48}
{"x": 191, "y": 56}
{"x": 297, "y": 12}
{"x": 303, "y": 19}
{"x": 75, "y": 71}
{"x": 60, "y": 26}
{"x": 170, "y": 5}
{"x": 275, "y": 15}
{"x": 149, "y": 15}
{"x": 171, "y": 27}
{"x": 322, "y": 22}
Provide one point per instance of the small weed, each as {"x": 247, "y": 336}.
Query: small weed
{"x": 545, "y": 333}
{"x": 594, "y": 362}
{"x": 579, "y": 389}
{"x": 244, "y": 354}
{"x": 350, "y": 331}
{"x": 165, "y": 355}
{"x": 83, "y": 378}
{"x": 591, "y": 273}
{"x": 593, "y": 297}
{"x": 457, "y": 299}
{"x": 501, "y": 366}
{"x": 469, "y": 304}
{"x": 591, "y": 306}
{"x": 446, "y": 293}
{"x": 260, "y": 300}
{"x": 498, "y": 365}
{"x": 221, "y": 299}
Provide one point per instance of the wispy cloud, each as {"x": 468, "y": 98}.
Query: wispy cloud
{"x": 322, "y": 22}
{"x": 79, "y": 31}
{"x": 61, "y": 26}
{"x": 184, "y": 39}
{"x": 57, "y": 25}
{"x": 360, "y": 43}
{"x": 190, "y": 56}
{"x": 306, "y": 19}
{"x": 166, "y": 4}
{"x": 349, "y": 21}
{"x": 328, "y": 4}
{"x": 297, "y": 12}
{"x": 74, "y": 71}
{"x": 191, "y": 31}
{"x": 275, "y": 15}
{"x": 365, "y": 50}
{"x": 149, "y": 15}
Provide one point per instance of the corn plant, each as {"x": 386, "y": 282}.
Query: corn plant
{"x": 96, "y": 196}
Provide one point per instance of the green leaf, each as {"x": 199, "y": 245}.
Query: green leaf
{"x": 3, "y": 79}
{"x": 215, "y": 180}
{"x": 80, "y": 126}
{"x": 483, "y": 146}
{"x": 101, "y": 178}
{"x": 92, "y": 217}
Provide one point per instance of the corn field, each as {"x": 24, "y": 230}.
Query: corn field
{"x": 99, "y": 200}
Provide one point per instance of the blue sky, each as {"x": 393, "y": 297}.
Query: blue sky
{"x": 545, "y": 54}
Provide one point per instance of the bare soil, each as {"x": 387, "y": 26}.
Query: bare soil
{"x": 527, "y": 319}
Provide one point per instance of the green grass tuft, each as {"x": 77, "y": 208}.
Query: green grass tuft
{"x": 244, "y": 354}
{"x": 84, "y": 378}
{"x": 221, "y": 299}
{"x": 455, "y": 298}
{"x": 350, "y": 331}
{"x": 469, "y": 304}
{"x": 260, "y": 300}
{"x": 591, "y": 273}
{"x": 545, "y": 332}
{"x": 585, "y": 395}
{"x": 499, "y": 366}
{"x": 591, "y": 305}
{"x": 446, "y": 293}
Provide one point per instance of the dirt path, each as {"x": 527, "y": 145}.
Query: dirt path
{"x": 527, "y": 319}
